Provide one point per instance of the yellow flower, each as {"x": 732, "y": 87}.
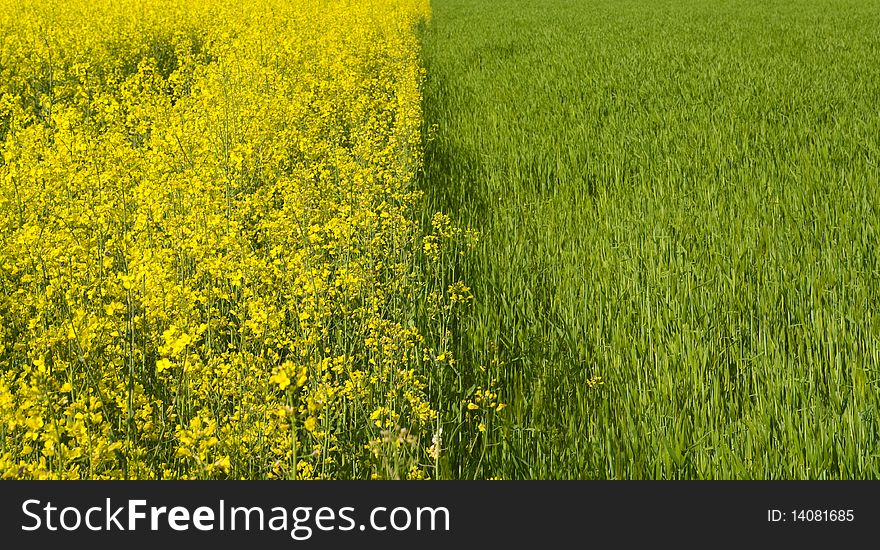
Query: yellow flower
{"x": 163, "y": 365}
{"x": 280, "y": 377}
{"x": 310, "y": 423}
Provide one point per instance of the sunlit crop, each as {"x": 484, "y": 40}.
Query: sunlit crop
{"x": 212, "y": 263}
{"x": 679, "y": 207}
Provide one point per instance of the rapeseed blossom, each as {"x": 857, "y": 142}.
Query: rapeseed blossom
{"x": 209, "y": 242}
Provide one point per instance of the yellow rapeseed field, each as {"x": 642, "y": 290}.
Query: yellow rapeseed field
{"x": 211, "y": 257}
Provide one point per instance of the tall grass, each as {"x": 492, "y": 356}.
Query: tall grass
{"x": 682, "y": 198}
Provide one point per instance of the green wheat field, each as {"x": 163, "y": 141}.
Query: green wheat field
{"x": 680, "y": 197}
